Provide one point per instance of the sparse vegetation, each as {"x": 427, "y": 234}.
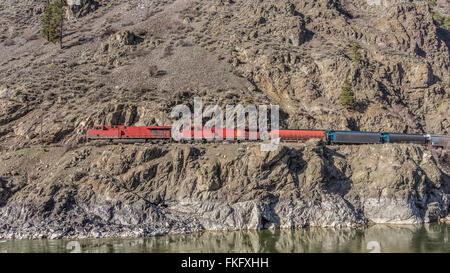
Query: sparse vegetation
{"x": 347, "y": 96}
{"x": 446, "y": 24}
{"x": 52, "y": 27}
{"x": 356, "y": 54}
{"x": 438, "y": 18}
{"x": 249, "y": 101}
{"x": 441, "y": 20}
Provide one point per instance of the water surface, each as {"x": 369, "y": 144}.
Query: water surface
{"x": 377, "y": 238}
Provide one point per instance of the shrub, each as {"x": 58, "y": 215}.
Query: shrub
{"x": 356, "y": 54}
{"x": 347, "y": 96}
{"x": 446, "y": 24}
{"x": 438, "y": 17}
{"x": 249, "y": 101}
{"x": 441, "y": 20}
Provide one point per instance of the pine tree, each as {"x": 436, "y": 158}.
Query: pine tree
{"x": 57, "y": 21}
{"x": 46, "y": 17}
{"x": 53, "y": 21}
{"x": 347, "y": 96}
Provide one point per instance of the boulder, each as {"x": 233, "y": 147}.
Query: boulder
{"x": 78, "y": 8}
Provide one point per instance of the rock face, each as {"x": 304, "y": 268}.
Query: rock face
{"x": 78, "y": 8}
{"x": 123, "y": 191}
{"x": 338, "y": 40}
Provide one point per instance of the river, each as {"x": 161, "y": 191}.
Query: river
{"x": 376, "y": 238}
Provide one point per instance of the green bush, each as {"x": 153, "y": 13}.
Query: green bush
{"x": 441, "y": 20}
{"x": 356, "y": 54}
{"x": 347, "y": 96}
{"x": 438, "y": 18}
{"x": 446, "y": 24}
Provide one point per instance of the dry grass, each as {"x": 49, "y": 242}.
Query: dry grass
{"x": 9, "y": 42}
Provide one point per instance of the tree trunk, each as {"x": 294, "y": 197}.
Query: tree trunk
{"x": 61, "y": 32}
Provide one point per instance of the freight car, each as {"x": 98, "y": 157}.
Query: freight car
{"x": 297, "y": 135}
{"x": 130, "y": 134}
{"x": 438, "y": 140}
{"x": 406, "y": 138}
{"x": 214, "y": 133}
{"x": 353, "y": 137}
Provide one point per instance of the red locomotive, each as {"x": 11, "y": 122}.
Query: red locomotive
{"x": 129, "y": 132}
{"x": 121, "y": 133}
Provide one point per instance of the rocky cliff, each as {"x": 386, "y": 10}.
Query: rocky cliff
{"x": 115, "y": 191}
{"x": 130, "y": 62}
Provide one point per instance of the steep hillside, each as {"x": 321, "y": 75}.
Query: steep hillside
{"x": 293, "y": 53}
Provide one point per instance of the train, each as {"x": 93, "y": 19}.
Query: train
{"x": 149, "y": 134}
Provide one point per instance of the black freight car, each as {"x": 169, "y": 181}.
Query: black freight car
{"x": 406, "y": 138}
{"x": 353, "y": 137}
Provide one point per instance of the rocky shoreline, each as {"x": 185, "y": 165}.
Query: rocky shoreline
{"x": 142, "y": 191}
